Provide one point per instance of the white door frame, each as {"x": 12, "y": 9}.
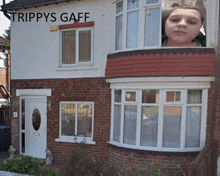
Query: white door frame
{"x": 38, "y": 95}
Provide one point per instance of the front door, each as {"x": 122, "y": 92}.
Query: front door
{"x": 35, "y": 127}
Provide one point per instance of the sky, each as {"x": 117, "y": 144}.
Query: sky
{"x": 4, "y": 22}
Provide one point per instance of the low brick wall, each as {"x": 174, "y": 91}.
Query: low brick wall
{"x": 97, "y": 91}
{"x": 164, "y": 162}
{"x": 83, "y": 89}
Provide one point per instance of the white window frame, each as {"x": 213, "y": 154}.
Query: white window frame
{"x": 141, "y": 9}
{"x": 75, "y": 139}
{"x": 3, "y": 65}
{"x": 77, "y": 63}
{"x": 211, "y": 27}
{"x": 2, "y": 60}
{"x": 163, "y": 86}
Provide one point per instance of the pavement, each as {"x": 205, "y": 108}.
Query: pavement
{"x": 4, "y": 173}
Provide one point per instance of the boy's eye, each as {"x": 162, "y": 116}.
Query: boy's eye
{"x": 192, "y": 22}
{"x": 174, "y": 19}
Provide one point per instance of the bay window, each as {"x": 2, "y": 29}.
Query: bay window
{"x": 159, "y": 119}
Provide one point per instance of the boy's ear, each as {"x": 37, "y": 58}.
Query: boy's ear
{"x": 201, "y": 25}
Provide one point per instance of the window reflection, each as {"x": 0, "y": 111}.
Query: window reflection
{"x": 36, "y": 119}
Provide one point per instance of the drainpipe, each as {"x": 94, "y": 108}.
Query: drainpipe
{"x": 5, "y": 12}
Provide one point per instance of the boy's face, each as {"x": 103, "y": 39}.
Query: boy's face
{"x": 183, "y": 25}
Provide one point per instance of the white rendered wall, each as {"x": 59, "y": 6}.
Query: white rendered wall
{"x": 36, "y": 50}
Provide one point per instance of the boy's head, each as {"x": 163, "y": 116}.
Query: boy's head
{"x": 182, "y": 25}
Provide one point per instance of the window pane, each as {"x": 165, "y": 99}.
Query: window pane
{"x": 171, "y": 126}
{"x": 118, "y": 33}
{"x": 130, "y": 120}
{"x": 2, "y": 59}
{"x": 23, "y": 114}
{"x": 194, "y": 96}
{"x": 68, "y": 119}
{"x": 2, "y": 62}
{"x": 36, "y": 119}
{"x": 149, "y": 126}
{"x": 84, "y": 123}
{"x": 85, "y": 46}
{"x": 23, "y": 142}
{"x": 193, "y": 126}
{"x": 130, "y": 96}
{"x": 68, "y": 47}
{"x": 173, "y": 96}
{"x": 2, "y": 55}
{"x": 152, "y": 27}
{"x": 152, "y": 1}
{"x": 119, "y": 7}
{"x": 132, "y": 4}
{"x": 117, "y": 123}
{"x": 117, "y": 95}
{"x": 150, "y": 96}
{"x": 132, "y": 29}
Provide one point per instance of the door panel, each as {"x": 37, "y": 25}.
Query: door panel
{"x": 36, "y": 128}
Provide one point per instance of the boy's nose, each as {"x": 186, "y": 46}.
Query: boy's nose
{"x": 182, "y": 23}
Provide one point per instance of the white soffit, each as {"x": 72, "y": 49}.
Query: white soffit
{"x": 160, "y": 82}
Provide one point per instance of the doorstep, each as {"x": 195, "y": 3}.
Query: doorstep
{"x": 4, "y": 173}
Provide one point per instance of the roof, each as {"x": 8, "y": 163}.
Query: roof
{"x": 4, "y": 42}
{"x": 20, "y": 4}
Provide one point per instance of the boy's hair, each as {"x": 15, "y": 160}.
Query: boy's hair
{"x": 186, "y": 6}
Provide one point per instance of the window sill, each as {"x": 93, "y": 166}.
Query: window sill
{"x": 71, "y": 140}
{"x": 155, "y": 149}
{"x": 63, "y": 68}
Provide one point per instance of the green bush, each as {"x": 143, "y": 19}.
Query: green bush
{"x": 26, "y": 165}
{"x": 82, "y": 163}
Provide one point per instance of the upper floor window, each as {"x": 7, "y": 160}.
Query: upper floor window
{"x": 141, "y": 23}
{"x": 76, "y": 46}
{"x": 2, "y": 60}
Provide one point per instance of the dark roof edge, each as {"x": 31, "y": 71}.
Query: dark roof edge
{"x": 13, "y": 6}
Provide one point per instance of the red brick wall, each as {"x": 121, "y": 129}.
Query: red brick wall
{"x": 2, "y": 82}
{"x": 5, "y": 78}
{"x": 92, "y": 89}
{"x": 166, "y": 162}
{"x": 96, "y": 90}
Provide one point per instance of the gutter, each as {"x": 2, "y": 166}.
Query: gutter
{"x": 5, "y": 12}
{"x": 6, "y": 91}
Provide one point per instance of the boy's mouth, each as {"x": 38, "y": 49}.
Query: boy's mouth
{"x": 179, "y": 32}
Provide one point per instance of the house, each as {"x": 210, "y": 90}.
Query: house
{"x": 4, "y": 82}
{"x": 94, "y": 71}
